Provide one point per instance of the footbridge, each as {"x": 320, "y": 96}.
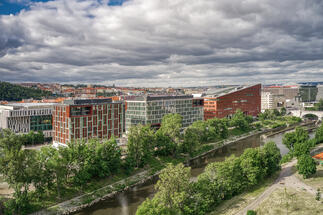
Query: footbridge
{"x": 305, "y": 113}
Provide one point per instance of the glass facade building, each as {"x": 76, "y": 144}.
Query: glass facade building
{"x": 151, "y": 109}
{"x": 26, "y": 117}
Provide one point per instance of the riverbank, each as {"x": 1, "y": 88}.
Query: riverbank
{"x": 292, "y": 127}
{"x": 87, "y": 200}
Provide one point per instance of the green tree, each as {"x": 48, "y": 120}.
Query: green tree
{"x": 192, "y": 140}
{"x": 272, "y": 157}
{"x": 217, "y": 128}
{"x": 306, "y": 165}
{"x": 239, "y": 121}
{"x": 251, "y": 212}
{"x": 16, "y": 166}
{"x": 171, "y": 127}
{"x": 172, "y": 192}
{"x": 276, "y": 113}
{"x": 83, "y": 155}
{"x": 298, "y": 136}
{"x": 253, "y": 166}
{"x": 173, "y": 186}
{"x": 141, "y": 143}
{"x": 43, "y": 179}
{"x": 165, "y": 145}
{"x": 201, "y": 130}
{"x": 154, "y": 207}
{"x": 283, "y": 111}
{"x": 107, "y": 158}
{"x": 58, "y": 166}
{"x": 301, "y": 148}
{"x": 319, "y": 134}
{"x": 224, "y": 177}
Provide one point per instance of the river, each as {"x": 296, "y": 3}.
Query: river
{"x": 126, "y": 203}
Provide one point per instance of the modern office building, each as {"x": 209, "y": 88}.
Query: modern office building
{"x": 225, "y": 103}
{"x": 87, "y": 118}
{"x": 288, "y": 92}
{"x": 26, "y": 117}
{"x": 319, "y": 94}
{"x": 308, "y": 93}
{"x": 150, "y": 109}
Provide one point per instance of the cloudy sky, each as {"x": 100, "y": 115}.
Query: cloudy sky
{"x": 161, "y": 42}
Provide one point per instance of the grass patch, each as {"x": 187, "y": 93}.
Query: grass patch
{"x": 236, "y": 132}
{"x": 237, "y": 203}
{"x": 289, "y": 201}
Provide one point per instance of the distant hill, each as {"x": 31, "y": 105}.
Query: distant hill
{"x": 13, "y": 92}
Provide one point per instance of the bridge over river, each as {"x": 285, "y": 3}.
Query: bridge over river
{"x": 307, "y": 114}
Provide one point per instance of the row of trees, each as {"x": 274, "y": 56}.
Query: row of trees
{"x": 50, "y": 171}
{"x": 33, "y": 138}
{"x": 177, "y": 194}
{"x": 172, "y": 139}
{"x": 272, "y": 114}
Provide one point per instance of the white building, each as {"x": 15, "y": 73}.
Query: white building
{"x": 25, "y": 117}
{"x": 267, "y": 101}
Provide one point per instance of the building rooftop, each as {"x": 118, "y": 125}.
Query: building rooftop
{"x": 88, "y": 101}
{"x": 224, "y": 91}
{"x": 158, "y": 97}
{"x": 26, "y": 105}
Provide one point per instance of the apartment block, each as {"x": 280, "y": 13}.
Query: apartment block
{"x": 225, "y": 103}
{"x": 267, "y": 101}
{"x": 26, "y": 117}
{"x": 150, "y": 109}
{"x": 86, "y": 119}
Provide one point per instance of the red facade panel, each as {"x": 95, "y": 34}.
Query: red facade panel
{"x": 247, "y": 100}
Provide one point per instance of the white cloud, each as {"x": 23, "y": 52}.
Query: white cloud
{"x": 164, "y": 42}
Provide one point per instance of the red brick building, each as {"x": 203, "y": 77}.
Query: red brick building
{"x": 247, "y": 99}
{"x": 85, "y": 119}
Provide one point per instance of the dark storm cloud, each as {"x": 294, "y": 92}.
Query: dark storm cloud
{"x": 164, "y": 42}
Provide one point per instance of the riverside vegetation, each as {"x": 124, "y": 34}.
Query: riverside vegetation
{"x": 41, "y": 178}
{"x": 220, "y": 181}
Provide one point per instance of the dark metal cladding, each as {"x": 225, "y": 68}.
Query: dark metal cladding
{"x": 87, "y": 101}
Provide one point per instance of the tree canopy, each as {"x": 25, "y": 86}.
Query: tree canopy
{"x": 13, "y": 92}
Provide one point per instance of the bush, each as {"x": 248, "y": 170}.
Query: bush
{"x": 306, "y": 165}
{"x": 251, "y": 212}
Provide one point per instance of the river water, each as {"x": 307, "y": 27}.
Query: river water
{"x": 127, "y": 202}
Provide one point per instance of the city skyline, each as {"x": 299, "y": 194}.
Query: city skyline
{"x": 161, "y": 42}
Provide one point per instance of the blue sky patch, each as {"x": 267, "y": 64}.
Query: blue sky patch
{"x": 13, "y": 7}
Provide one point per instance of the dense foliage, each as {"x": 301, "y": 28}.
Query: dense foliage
{"x": 299, "y": 136}
{"x": 52, "y": 170}
{"x": 275, "y": 118}
{"x": 306, "y": 165}
{"x": 33, "y": 138}
{"x": 300, "y": 145}
{"x": 13, "y": 92}
{"x": 220, "y": 181}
